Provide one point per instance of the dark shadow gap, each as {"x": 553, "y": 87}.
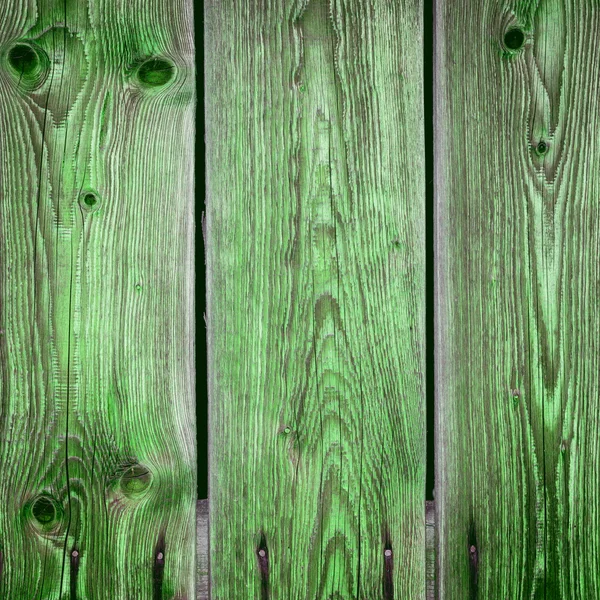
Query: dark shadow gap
{"x": 428, "y": 8}
{"x": 200, "y": 284}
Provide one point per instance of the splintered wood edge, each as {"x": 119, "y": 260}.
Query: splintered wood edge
{"x": 202, "y": 550}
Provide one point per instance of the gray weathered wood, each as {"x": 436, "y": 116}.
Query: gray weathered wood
{"x": 430, "y": 554}
{"x": 202, "y": 551}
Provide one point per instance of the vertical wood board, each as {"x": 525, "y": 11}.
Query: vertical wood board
{"x": 518, "y": 332}
{"x": 97, "y": 431}
{"x": 315, "y": 279}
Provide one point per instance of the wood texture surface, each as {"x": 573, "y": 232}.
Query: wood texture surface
{"x": 202, "y": 557}
{"x": 97, "y": 433}
{"x": 430, "y": 551}
{"x": 315, "y": 235}
{"x": 518, "y": 331}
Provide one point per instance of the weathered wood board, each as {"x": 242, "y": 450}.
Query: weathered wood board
{"x": 97, "y": 432}
{"x": 518, "y": 330}
{"x": 315, "y": 267}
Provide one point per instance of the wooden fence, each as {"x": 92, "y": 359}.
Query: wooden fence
{"x": 317, "y": 315}
{"x": 316, "y": 220}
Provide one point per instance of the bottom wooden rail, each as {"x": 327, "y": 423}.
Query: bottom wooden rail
{"x": 202, "y": 550}
{"x": 430, "y": 541}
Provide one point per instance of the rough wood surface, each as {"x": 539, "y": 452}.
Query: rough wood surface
{"x": 518, "y": 232}
{"x": 315, "y": 235}
{"x": 430, "y": 550}
{"x": 202, "y": 550}
{"x": 97, "y": 436}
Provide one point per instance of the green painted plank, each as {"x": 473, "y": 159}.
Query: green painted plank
{"x": 97, "y": 432}
{"x": 518, "y": 335}
{"x": 315, "y": 236}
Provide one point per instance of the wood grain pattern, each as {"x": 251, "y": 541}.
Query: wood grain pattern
{"x": 97, "y": 434}
{"x": 518, "y": 332}
{"x": 315, "y": 234}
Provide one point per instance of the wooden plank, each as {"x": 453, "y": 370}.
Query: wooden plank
{"x": 202, "y": 550}
{"x": 315, "y": 233}
{"x": 97, "y": 434}
{"x": 517, "y": 282}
